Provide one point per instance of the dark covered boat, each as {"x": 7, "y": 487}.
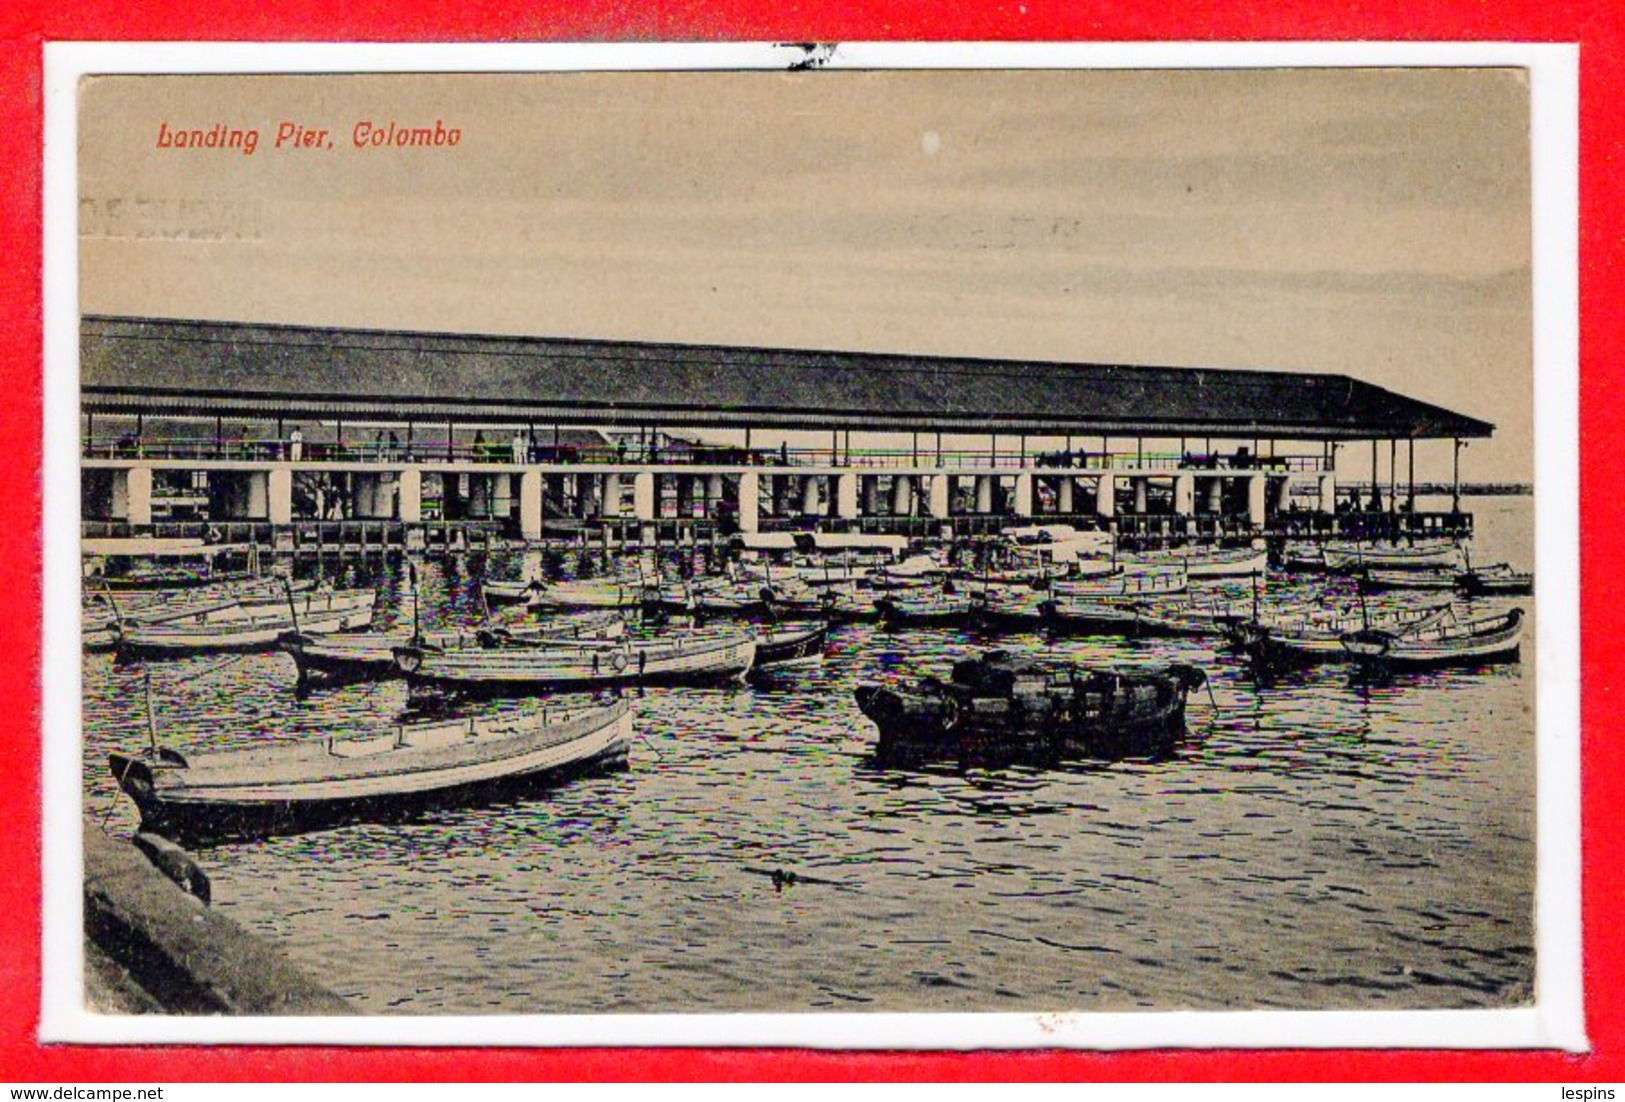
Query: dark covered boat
{"x": 998, "y": 706}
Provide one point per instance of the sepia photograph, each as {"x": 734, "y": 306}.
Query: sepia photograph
{"x": 822, "y": 541}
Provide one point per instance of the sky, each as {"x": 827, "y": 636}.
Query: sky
{"x": 1368, "y": 222}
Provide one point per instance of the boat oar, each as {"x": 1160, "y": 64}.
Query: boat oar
{"x": 152, "y": 723}
{"x": 293, "y": 611}
{"x": 412, "y": 583}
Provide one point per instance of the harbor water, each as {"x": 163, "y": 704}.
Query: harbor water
{"x": 1314, "y": 842}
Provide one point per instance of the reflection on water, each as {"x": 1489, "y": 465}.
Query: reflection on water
{"x": 1315, "y": 842}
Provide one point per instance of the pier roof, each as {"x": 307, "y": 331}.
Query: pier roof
{"x": 165, "y": 366}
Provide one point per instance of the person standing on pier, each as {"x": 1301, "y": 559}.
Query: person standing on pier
{"x": 296, "y": 445}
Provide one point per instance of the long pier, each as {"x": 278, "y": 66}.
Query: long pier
{"x": 355, "y": 505}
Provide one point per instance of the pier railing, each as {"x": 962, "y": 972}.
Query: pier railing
{"x": 521, "y": 451}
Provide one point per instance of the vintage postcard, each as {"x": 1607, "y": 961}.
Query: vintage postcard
{"x": 925, "y": 547}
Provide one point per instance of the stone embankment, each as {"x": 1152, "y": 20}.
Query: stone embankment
{"x": 153, "y": 944}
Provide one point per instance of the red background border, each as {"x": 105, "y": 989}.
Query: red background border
{"x": 24, "y": 30}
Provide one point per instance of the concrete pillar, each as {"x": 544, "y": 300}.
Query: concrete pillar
{"x": 530, "y": 505}
{"x": 1106, "y": 496}
{"x": 1142, "y": 496}
{"x": 1257, "y": 487}
{"x": 258, "y": 502}
{"x": 750, "y": 502}
{"x": 713, "y": 494}
{"x": 846, "y": 496}
{"x": 871, "y": 495}
{"x": 938, "y": 495}
{"x": 1024, "y": 495}
{"x": 502, "y": 495}
{"x": 364, "y": 494}
{"x": 610, "y": 504}
{"x": 1283, "y": 494}
{"x": 1185, "y": 495}
{"x": 984, "y": 493}
{"x": 1328, "y": 493}
{"x": 902, "y": 496}
{"x": 809, "y": 495}
{"x": 644, "y": 502}
{"x": 279, "y": 492}
{"x": 132, "y": 495}
{"x": 1065, "y": 495}
{"x": 1215, "y": 495}
{"x": 479, "y": 495}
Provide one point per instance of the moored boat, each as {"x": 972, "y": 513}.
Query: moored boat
{"x": 1206, "y": 562}
{"x": 1375, "y": 579}
{"x": 792, "y": 644}
{"x": 698, "y": 658}
{"x": 346, "y": 656}
{"x": 198, "y": 798}
{"x": 239, "y": 628}
{"x": 1496, "y": 580}
{"x": 510, "y": 592}
{"x": 995, "y": 705}
{"x": 1341, "y": 558}
{"x": 1283, "y": 643}
{"x": 1472, "y": 643}
{"x": 1125, "y": 581}
{"x": 932, "y": 606}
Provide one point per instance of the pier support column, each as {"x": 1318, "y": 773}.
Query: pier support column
{"x": 257, "y": 503}
{"x": 1184, "y": 495}
{"x": 810, "y": 495}
{"x": 1328, "y": 493}
{"x": 644, "y": 502}
{"x": 1024, "y": 495}
{"x": 132, "y": 495}
{"x": 610, "y": 504}
{"x": 1283, "y": 495}
{"x": 1215, "y": 495}
{"x": 871, "y": 494}
{"x": 1257, "y": 495}
{"x": 1142, "y": 496}
{"x": 530, "y": 505}
{"x": 902, "y": 496}
{"x": 1106, "y": 496}
{"x": 1065, "y": 496}
{"x": 846, "y": 496}
{"x": 479, "y": 495}
{"x": 713, "y": 495}
{"x": 985, "y": 487}
{"x": 501, "y": 496}
{"x": 938, "y": 496}
{"x": 750, "y": 502}
{"x": 364, "y": 494}
{"x": 279, "y": 490}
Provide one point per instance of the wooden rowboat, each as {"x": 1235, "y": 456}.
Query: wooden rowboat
{"x": 787, "y": 645}
{"x": 1206, "y": 562}
{"x": 341, "y": 656}
{"x": 703, "y": 658}
{"x": 1354, "y": 557}
{"x": 1285, "y": 643}
{"x": 209, "y": 797}
{"x": 1126, "y": 581}
{"x": 1474, "y": 643}
{"x": 1497, "y": 580}
{"x": 245, "y": 629}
